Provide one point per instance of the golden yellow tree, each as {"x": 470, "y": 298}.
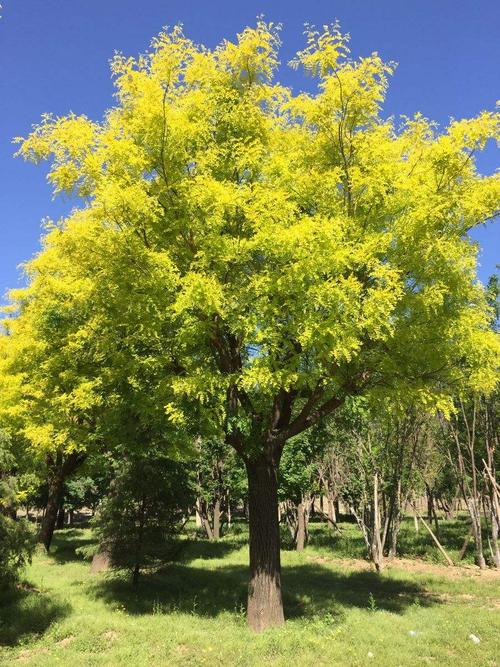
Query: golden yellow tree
{"x": 310, "y": 249}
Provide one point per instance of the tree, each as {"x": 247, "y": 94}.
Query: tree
{"x": 297, "y": 483}
{"x": 138, "y": 520}
{"x": 219, "y": 483}
{"x": 310, "y": 250}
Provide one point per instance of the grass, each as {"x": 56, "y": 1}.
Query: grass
{"x": 192, "y": 612}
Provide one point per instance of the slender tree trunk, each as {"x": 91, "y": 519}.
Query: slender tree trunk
{"x": 300, "y": 541}
{"x": 430, "y": 504}
{"x": 265, "y": 605}
{"x": 59, "y": 468}
{"x": 376, "y": 550}
{"x": 216, "y": 520}
{"x": 208, "y": 528}
{"x": 495, "y": 529}
{"x": 465, "y": 544}
{"x": 139, "y": 543}
{"x": 199, "y": 521}
{"x": 55, "y": 485}
{"x": 332, "y": 508}
{"x": 336, "y": 508}
{"x": 60, "y": 518}
{"x": 475, "y": 515}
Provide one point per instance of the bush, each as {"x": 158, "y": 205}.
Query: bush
{"x": 17, "y": 540}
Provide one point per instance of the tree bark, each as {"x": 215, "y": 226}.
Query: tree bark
{"x": 55, "y": 484}
{"x": 376, "y": 547}
{"x": 475, "y": 515}
{"x": 216, "y": 520}
{"x": 59, "y": 468}
{"x": 199, "y": 520}
{"x": 301, "y": 527}
{"x": 60, "y": 518}
{"x": 265, "y": 605}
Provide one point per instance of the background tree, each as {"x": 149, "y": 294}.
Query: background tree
{"x": 298, "y": 483}
{"x": 219, "y": 484}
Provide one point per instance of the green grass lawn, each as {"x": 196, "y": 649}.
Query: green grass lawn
{"x": 192, "y": 612}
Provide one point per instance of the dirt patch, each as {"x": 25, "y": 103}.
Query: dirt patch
{"x": 410, "y": 565}
{"x": 27, "y": 654}
{"x": 66, "y": 641}
{"x": 110, "y": 636}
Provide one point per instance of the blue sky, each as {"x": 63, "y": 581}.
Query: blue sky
{"x": 54, "y": 57}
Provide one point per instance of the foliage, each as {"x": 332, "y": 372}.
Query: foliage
{"x": 287, "y": 250}
{"x": 16, "y": 536}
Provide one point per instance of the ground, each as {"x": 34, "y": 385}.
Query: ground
{"x": 191, "y": 612}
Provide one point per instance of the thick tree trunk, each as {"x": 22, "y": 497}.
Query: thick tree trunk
{"x": 50, "y": 515}
{"x": 265, "y": 605}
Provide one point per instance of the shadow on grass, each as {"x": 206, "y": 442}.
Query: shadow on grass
{"x": 309, "y": 590}
{"x": 25, "y": 612}
{"x": 202, "y": 548}
{"x": 348, "y": 543}
{"x": 66, "y": 542}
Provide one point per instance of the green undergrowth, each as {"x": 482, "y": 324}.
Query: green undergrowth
{"x": 192, "y": 612}
{"x": 348, "y": 541}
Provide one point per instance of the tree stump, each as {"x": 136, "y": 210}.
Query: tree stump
{"x": 100, "y": 563}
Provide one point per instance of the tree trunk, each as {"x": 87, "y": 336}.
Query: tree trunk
{"x": 376, "y": 546}
{"x": 265, "y": 605}
{"x": 332, "y": 509}
{"x": 300, "y": 540}
{"x": 475, "y": 516}
{"x": 495, "y": 529}
{"x": 59, "y": 468}
{"x": 208, "y": 527}
{"x": 199, "y": 521}
{"x": 216, "y": 520}
{"x": 51, "y": 509}
{"x": 60, "y": 518}
{"x": 430, "y": 504}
